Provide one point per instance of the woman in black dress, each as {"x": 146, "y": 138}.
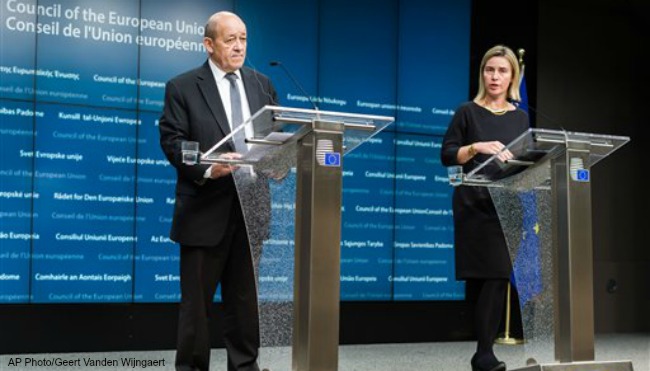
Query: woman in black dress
{"x": 478, "y": 130}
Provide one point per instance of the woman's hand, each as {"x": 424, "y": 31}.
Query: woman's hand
{"x": 493, "y": 148}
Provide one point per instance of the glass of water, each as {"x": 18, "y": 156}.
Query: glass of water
{"x": 190, "y": 152}
{"x": 455, "y": 174}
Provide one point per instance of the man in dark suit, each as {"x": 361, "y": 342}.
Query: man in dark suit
{"x": 208, "y": 220}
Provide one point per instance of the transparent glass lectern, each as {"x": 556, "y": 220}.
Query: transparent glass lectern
{"x": 289, "y": 181}
{"x": 543, "y": 198}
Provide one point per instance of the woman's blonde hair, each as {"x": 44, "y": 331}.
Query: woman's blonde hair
{"x": 507, "y": 53}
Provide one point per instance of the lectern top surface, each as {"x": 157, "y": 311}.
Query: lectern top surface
{"x": 536, "y": 146}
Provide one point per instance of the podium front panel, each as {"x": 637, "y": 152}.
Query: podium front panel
{"x": 268, "y": 208}
{"x": 523, "y": 203}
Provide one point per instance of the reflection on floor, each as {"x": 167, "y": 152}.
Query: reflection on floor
{"x": 378, "y": 357}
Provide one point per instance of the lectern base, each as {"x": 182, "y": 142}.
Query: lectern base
{"x": 581, "y": 366}
{"x": 507, "y": 340}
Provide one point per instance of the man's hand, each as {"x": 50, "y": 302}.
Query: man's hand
{"x": 276, "y": 173}
{"x": 219, "y": 170}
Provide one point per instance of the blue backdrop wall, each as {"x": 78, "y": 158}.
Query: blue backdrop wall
{"x": 86, "y": 195}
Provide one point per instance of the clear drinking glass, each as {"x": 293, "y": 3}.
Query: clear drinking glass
{"x": 455, "y": 174}
{"x": 190, "y": 152}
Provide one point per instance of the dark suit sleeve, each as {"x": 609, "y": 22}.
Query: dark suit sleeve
{"x": 454, "y": 139}
{"x": 174, "y": 129}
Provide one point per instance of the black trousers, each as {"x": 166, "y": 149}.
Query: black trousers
{"x": 202, "y": 268}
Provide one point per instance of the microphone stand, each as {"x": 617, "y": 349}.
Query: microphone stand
{"x": 295, "y": 82}
{"x": 506, "y": 339}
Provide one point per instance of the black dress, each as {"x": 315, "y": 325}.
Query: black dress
{"x": 480, "y": 245}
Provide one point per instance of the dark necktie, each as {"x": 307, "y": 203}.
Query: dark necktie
{"x": 237, "y": 117}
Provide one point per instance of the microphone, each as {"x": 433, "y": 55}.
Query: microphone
{"x": 262, "y": 88}
{"x": 536, "y": 112}
{"x": 295, "y": 82}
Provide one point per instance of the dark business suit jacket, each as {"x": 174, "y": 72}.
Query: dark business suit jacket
{"x": 194, "y": 112}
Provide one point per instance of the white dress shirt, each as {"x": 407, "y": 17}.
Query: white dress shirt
{"x": 223, "y": 84}
{"x": 224, "y": 91}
